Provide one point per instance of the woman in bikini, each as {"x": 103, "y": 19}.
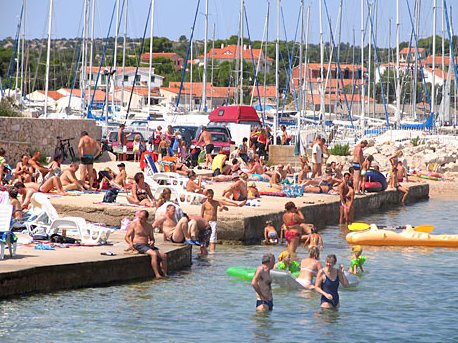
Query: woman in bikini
{"x": 309, "y": 268}
{"x": 141, "y": 192}
{"x": 293, "y": 221}
{"x": 325, "y": 185}
{"x": 327, "y": 283}
{"x": 24, "y": 170}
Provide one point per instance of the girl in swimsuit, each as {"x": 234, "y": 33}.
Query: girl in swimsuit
{"x": 293, "y": 220}
{"x": 309, "y": 268}
{"x": 327, "y": 283}
{"x": 141, "y": 192}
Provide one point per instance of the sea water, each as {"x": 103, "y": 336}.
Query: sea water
{"x": 407, "y": 294}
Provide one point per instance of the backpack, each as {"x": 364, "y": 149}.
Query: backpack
{"x": 110, "y": 195}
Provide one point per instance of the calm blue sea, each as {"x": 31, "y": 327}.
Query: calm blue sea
{"x": 406, "y": 295}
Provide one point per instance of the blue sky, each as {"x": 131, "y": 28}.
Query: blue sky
{"x": 174, "y": 18}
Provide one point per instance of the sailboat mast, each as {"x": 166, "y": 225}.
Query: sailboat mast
{"x": 415, "y": 70}
{"x": 91, "y": 53}
{"x": 48, "y": 57}
{"x": 277, "y": 81}
{"x": 124, "y": 52}
{"x": 213, "y": 60}
{"x": 242, "y": 5}
{"x": 369, "y": 59}
{"x": 322, "y": 100}
{"x": 115, "y": 58}
{"x": 362, "y": 65}
{"x": 299, "y": 113}
{"x": 398, "y": 79}
{"x": 204, "y": 78}
{"x": 150, "y": 71}
{"x": 433, "y": 77}
{"x": 84, "y": 55}
{"x": 22, "y": 88}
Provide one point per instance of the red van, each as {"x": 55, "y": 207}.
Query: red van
{"x": 235, "y": 114}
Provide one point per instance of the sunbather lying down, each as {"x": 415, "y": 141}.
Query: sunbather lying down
{"x": 48, "y": 186}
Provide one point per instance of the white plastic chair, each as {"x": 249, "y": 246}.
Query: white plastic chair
{"x": 182, "y": 197}
{"x": 5, "y": 231}
{"x": 92, "y": 234}
{"x": 50, "y": 222}
{"x": 152, "y": 173}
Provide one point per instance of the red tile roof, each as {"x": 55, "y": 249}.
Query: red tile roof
{"x": 217, "y": 92}
{"x": 55, "y": 95}
{"x": 438, "y": 60}
{"x": 99, "y": 95}
{"x": 268, "y": 91}
{"x": 231, "y": 52}
{"x": 405, "y": 51}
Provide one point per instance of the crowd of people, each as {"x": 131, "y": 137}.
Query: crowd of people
{"x": 243, "y": 170}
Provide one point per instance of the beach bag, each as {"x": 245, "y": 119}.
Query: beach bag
{"x": 110, "y": 195}
{"x": 56, "y": 238}
{"x": 293, "y": 191}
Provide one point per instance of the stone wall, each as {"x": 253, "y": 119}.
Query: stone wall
{"x": 23, "y": 135}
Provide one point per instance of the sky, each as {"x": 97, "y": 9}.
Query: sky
{"x": 173, "y": 18}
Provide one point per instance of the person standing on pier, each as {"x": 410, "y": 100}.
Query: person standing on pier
{"x": 206, "y": 138}
{"x": 88, "y": 150}
{"x": 140, "y": 237}
{"x": 358, "y": 159}
{"x": 262, "y": 284}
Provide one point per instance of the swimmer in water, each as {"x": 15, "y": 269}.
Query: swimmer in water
{"x": 287, "y": 262}
{"x": 327, "y": 283}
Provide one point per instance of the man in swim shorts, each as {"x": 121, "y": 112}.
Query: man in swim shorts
{"x": 358, "y": 159}
{"x": 88, "y": 149}
{"x": 140, "y": 237}
{"x": 262, "y": 284}
{"x": 175, "y": 232}
{"x": 206, "y": 138}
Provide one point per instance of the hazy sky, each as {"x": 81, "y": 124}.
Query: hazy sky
{"x": 174, "y": 18}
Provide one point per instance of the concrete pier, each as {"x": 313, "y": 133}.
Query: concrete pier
{"x": 38, "y": 271}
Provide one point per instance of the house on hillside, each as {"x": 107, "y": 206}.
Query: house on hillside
{"x": 216, "y": 96}
{"x": 231, "y": 53}
{"x": 141, "y": 79}
{"x": 335, "y": 79}
{"x": 139, "y": 97}
{"x": 177, "y": 60}
{"x": 407, "y": 54}
{"x": 38, "y": 97}
{"x": 73, "y": 99}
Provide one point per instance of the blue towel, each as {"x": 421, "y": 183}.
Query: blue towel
{"x": 44, "y": 247}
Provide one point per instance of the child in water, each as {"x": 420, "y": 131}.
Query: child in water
{"x": 314, "y": 239}
{"x": 357, "y": 260}
{"x": 286, "y": 262}
{"x": 270, "y": 233}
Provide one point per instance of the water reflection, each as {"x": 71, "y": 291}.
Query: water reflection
{"x": 262, "y": 326}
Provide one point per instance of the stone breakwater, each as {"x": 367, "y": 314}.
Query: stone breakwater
{"x": 23, "y": 135}
{"x": 246, "y": 224}
{"x": 415, "y": 156}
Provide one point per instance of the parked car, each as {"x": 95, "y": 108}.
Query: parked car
{"x": 221, "y": 142}
{"x": 191, "y": 133}
{"x": 111, "y": 141}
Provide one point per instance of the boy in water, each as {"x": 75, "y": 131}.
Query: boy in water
{"x": 210, "y": 214}
{"x": 262, "y": 284}
{"x": 270, "y": 233}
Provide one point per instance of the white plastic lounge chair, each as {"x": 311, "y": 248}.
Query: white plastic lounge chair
{"x": 50, "y": 222}
{"x": 182, "y": 197}
{"x": 5, "y": 232}
{"x": 166, "y": 178}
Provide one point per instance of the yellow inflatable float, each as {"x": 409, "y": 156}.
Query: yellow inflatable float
{"x": 407, "y": 237}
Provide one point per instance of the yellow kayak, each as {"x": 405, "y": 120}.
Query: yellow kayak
{"x": 407, "y": 237}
